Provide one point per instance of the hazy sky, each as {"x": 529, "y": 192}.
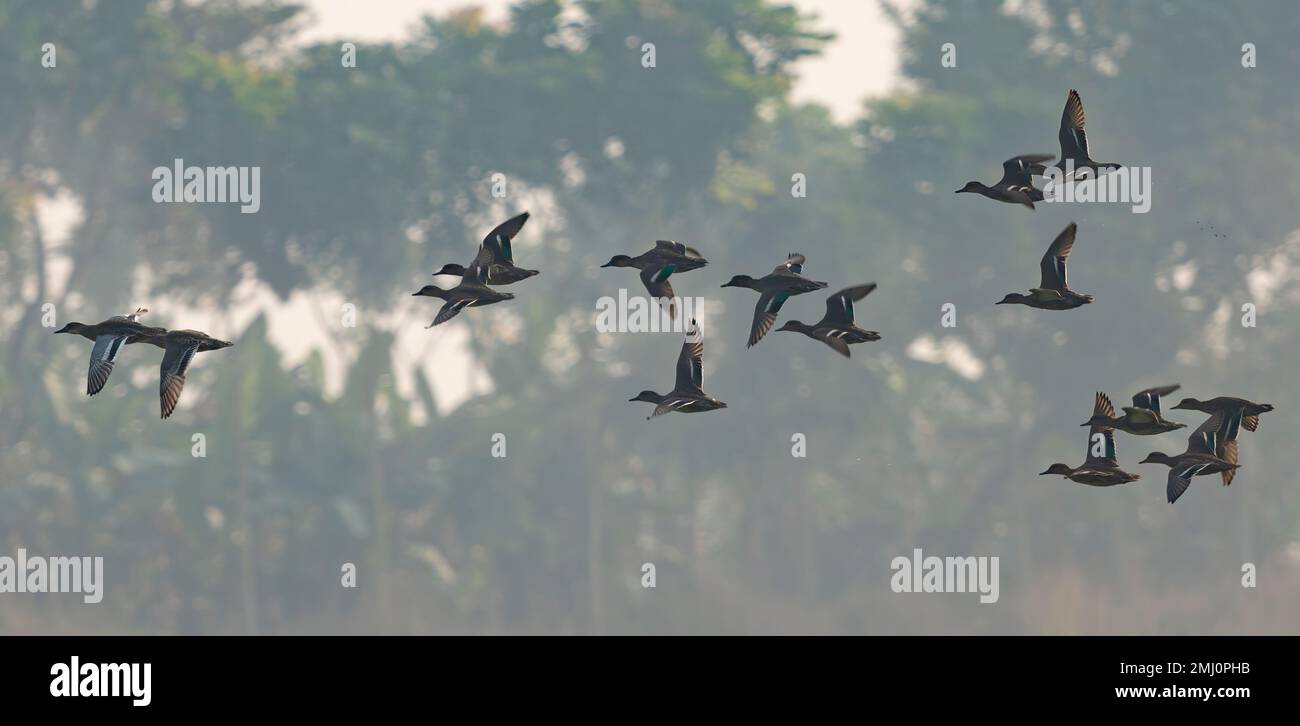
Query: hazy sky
{"x": 860, "y": 62}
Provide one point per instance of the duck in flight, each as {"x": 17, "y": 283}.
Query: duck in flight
{"x": 774, "y": 289}
{"x": 1245, "y": 413}
{"x": 1017, "y": 184}
{"x": 1143, "y": 418}
{"x": 472, "y": 291}
{"x": 179, "y": 347}
{"x": 1053, "y": 292}
{"x": 502, "y": 271}
{"x": 836, "y": 328}
{"x": 658, "y": 264}
{"x": 687, "y": 395}
{"x": 1074, "y": 142}
{"x": 109, "y": 337}
{"x": 1211, "y": 449}
{"x": 1100, "y": 468}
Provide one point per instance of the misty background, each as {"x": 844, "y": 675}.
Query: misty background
{"x": 328, "y": 444}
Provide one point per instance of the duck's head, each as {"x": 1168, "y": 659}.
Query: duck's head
{"x": 451, "y": 269}
{"x": 71, "y": 328}
{"x": 1096, "y": 420}
{"x": 1061, "y": 469}
{"x": 429, "y": 291}
{"x": 794, "y": 325}
{"x": 740, "y": 281}
{"x": 1155, "y": 457}
{"x": 972, "y": 186}
{"x": 1013, "y": 298}
{"x": 1189, "y": 404}
{"x": 618, "y": 261}
{"x": 647, "y": 396}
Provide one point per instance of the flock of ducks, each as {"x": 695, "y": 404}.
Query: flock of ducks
{"x": 494, "y": 266}
{"x": 179, "y": 347}
{"x": 1211, "y": 448}
{"x": 1016, "y": 185}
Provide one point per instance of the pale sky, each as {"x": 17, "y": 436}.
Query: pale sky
{"x": 860, "y": 62}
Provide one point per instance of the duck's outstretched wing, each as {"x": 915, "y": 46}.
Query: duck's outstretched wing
{"x": 793, "y": 265}
{"x": 655, "y": 279}
{"x": 832, "y": 338}
{"x": 678, "y": 248}
{"x": 1218, "y": 437}
{"x": 102, "y": 357}
{"x": 477, "y": 272}
{"x": 499, "y": 239}
{"x": 1180, "y": 477}
{"x": 690, "y": 363}
{"x": 175, "y": 362}
{"x": 1209, "y": 436}
{"x": 765, "y": 312}
{"x": 450, "y": 309}
{"x": 1101, "y": 447}
{"x": 1101, "y": 405}
{"x": 1053, "y": 262}
{"x": 1150, "y": 398}
{"x": 1019, "y": 170}
{"x": 839, "y": 307}
{"x": 669, "y": 404}
{"x": 1074, "y": 142}
{"x": 1228, "y": 452}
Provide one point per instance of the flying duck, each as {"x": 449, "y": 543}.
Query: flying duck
{"x": 108, "y": 336}
{"x": 657, "y": 264}
{"x": 1208, "y": 452}
{"x": 687, "y": 396}
{"x": 502, "y": 271}
{"x": 1016, "y": 185}
{"x": 179, "y": 347}
{"x": 836, "y": 328}
{"x": 1074, "y": 142}
{"x": 1097, "y": 470}
{"x": 1053, "y": 292}
{"x": 774, "y": 289}
{"x": 1142, "y": 418}
{"x": 1249, "y": 411}
{"x": 471, "y": 292}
